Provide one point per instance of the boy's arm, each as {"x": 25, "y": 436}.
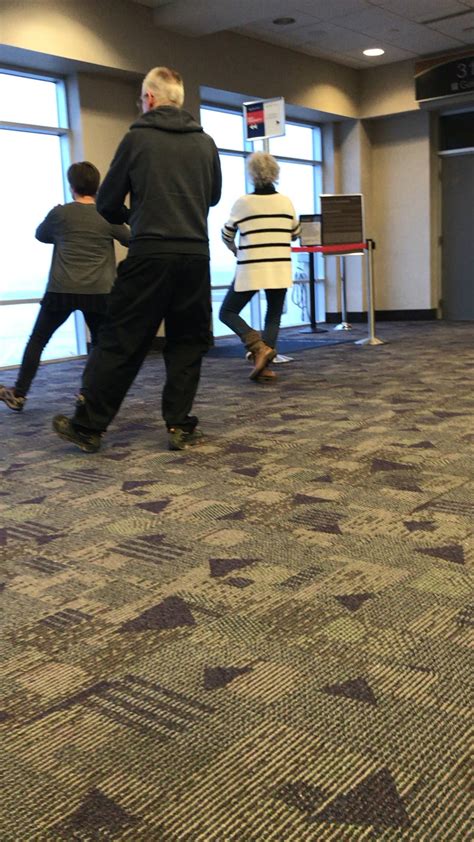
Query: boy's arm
{"x": 122, "y": 234}
{"x": 47, "y": 230}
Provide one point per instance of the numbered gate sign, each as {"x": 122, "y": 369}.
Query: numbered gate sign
{"x": 445, "y": 76}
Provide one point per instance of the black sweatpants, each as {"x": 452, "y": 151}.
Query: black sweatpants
{"x": 47, "y": 323}
{"x": 172, "y": 287}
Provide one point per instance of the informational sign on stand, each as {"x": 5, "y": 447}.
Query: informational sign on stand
{"x": 310, "y": 229}
{"x": 342, "y": 218}
{"x": 265, "y": 118}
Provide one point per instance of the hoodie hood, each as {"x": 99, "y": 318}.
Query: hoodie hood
{"x": 167, "y": 118}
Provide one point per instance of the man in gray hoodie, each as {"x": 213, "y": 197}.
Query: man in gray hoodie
{"x": 170, "y": 169}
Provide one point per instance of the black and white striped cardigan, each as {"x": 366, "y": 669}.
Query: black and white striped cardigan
{"x": 266, "y": 223}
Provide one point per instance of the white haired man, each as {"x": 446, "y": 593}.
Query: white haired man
{"x": 171, "y": 170}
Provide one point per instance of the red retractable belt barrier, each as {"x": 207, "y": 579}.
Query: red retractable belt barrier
{"x": 341, "y": 248}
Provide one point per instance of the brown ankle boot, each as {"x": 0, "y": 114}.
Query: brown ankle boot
{"x": 266, "y": 376}
{"x": 262, "y": 354}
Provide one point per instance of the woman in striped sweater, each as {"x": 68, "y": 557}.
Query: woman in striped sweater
{"x": 267, "y": 223}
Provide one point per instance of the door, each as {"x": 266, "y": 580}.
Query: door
{"x": 458, "y": 237}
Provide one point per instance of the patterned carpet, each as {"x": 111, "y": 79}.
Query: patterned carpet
{"x": 264, "y": 638}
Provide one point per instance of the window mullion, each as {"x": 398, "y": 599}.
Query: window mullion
{"x": 28, "y": 127}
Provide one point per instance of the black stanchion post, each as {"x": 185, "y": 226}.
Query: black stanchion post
{"x": 313, "y": 327}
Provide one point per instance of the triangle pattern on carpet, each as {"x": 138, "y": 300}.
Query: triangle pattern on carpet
{"x": 356, "y": 688}
{"x": 99, "y": 813}
{"x": 386, "y": 465}
{"x": 305, "y": 499}
{"x": 303, "y": 795}
{"x": 155, "y": 506}
{"x": 353, "y": 601}
{"x": 131, "y": 485}
{"x": 222, "y": 566}
{"x": 172, "y": 613}
{"x": 247, "y": 472}
{"x": 216, "y": 677}
{"x": 451, "y": 552}
{"x": 375, "y": 801}
{"x": 419, "y": 525}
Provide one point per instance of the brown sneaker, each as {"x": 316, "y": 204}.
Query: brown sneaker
{"x": 11, "y": 400}
{"x": 87, "y": 440}
{"x": 179, "y": 439}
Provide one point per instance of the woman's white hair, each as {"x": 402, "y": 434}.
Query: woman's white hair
{"x": 262, "y": 168}
{"x": 166, "y": 85}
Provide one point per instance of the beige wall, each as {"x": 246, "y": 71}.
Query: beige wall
{"x": 106, "y": 109}
{"x": 121, "y": 35}
{"x": 401, "y": 211}
{"x": 388, "y": 89}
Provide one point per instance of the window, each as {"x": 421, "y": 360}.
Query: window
{"x": 299, "y": 153}
{"x": 35, "y": 158}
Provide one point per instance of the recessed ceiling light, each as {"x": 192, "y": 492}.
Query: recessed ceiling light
{"x": 284, "y": 21}
{"x": 376, "y": 51}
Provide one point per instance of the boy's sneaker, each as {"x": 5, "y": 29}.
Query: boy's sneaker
{"x": 88, "y": 441}
{"x": 179, "y": 439}
{"x": 11, "y": 400}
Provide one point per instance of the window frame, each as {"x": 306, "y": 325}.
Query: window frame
{"x": 64, "y": 133}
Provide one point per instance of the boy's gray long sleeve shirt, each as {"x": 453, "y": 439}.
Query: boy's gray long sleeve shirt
{"x": 84, "y": 257}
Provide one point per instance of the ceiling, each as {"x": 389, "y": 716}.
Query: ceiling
{"x": 338, "y": 30}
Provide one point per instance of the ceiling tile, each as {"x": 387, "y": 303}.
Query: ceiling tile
{"x": 338, "y": 58}
{"x": 327, "y": 9}
{"x": 286, "y": 35}
{"x": 421, "y": 10}
{"x": 337, "y": 38}
{"x": 336, "y": 29}
{"x": 458, "y": 27}
{"x": 399, "y": 31}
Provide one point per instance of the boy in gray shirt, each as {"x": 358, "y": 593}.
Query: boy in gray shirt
{"x": 81, "y": 276}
